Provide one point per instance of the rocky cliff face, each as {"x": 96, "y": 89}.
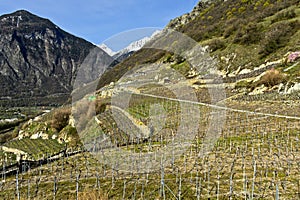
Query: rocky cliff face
{"x": 37, "y": 58}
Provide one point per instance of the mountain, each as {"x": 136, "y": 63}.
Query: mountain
{"x": 38, "y": 60}
{"x": 240, "y": 35}
{"x": 105, "y": 48}
{"x": 130, "y": 49}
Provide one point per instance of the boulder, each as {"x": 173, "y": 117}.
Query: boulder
{"x": 245, "y": 71}
{"x": 259, "y": 90}
{"x": 294, "y": 88}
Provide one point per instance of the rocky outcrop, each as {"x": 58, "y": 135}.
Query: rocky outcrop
{"x": 19, "y": 153}
{"x": 186, "y": 18}
{"x": 288, "y": 88}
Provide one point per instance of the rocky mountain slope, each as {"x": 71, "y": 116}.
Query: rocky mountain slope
{"x": 38, "y": 60}
{"x": 241, "y": 35}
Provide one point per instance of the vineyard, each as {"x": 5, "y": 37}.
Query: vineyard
{"x": 36, "y": 148}
{"x": 207, "y": 109}
{"x": 235, "y": 152}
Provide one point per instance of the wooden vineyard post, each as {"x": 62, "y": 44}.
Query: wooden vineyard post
{"x": 253, "y": 180}
{"x": 179, "y": 188}
{"x": 17, "y": 185}
{"x": 54, "y": 187}
{"x": 4, "y": 171}
{"x": 277, "y": 192}
{"x": 124, "y": 189}
{"x": 162, "y": 181}
{"x": 28, "y": 188}
{"x": 77, "y": 184}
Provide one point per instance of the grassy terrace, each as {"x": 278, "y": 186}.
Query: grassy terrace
{"x": 37, "y": 148}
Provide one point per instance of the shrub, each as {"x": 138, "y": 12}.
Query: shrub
{"x": 229, "y": 14}
{"x": 210, "y": 17}
{"x": 249, "y": 34}
{"x": 266, "y": 4}
{"x": 216, "y": 44}
{"x": 100, "y": 106}
{"x": 278, "y": 36}
{"x": 242, "y": 9}
{"x": 231, "y": 26}
{"x": 60, "y": 118}
{"x": 272, "y": 77}
{"x": 289, "y": 14}
{"x": 229, "y": 30}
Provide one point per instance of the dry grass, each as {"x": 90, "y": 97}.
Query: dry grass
{"x": 60, "y": 118}
{"x": 272, "y": 77}
{"x": 92, "y": 194}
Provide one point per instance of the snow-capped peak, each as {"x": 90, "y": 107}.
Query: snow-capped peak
{"x": 105, "y": 48}
{"x": 137, "y": 45}
{"x": 134, "y": 46}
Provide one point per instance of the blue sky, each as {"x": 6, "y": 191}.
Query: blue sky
{"x": 98, "y": 20}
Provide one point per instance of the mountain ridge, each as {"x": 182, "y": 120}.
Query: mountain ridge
{"x": 129, "y": 49}
{"x": 37, "y": 58}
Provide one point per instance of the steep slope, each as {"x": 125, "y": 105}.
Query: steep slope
{"x": 255, "y": 31}
{"x": 38, "y": 59}
{"x": 239, "y": 34}
{"x": 255, "y": 154}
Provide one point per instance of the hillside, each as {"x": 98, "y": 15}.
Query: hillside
{"x": 212, "y": 117}
{"x": 239, "y": 34}
{"x": 38, "y": 60}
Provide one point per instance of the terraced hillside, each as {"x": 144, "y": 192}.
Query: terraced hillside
{"x": 255, "y": 154}
{"x": 163, "y": 130}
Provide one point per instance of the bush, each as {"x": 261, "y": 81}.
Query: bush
{"x": 289, "y": 14}
{"x": 100, "y": 106}
{"x": 60, "y": 118}
{"x": 216, "y": 44}
{"x": 249, "y": 34}
{"x": 242, "y": 9}
{"x": 232, "y": 26}
{"x": 278, "y": 36}
{"x": 272, "y": 77}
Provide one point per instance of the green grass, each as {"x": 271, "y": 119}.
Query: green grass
{"x": 37, "y": 148}
{"x": 183, "y": 68}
